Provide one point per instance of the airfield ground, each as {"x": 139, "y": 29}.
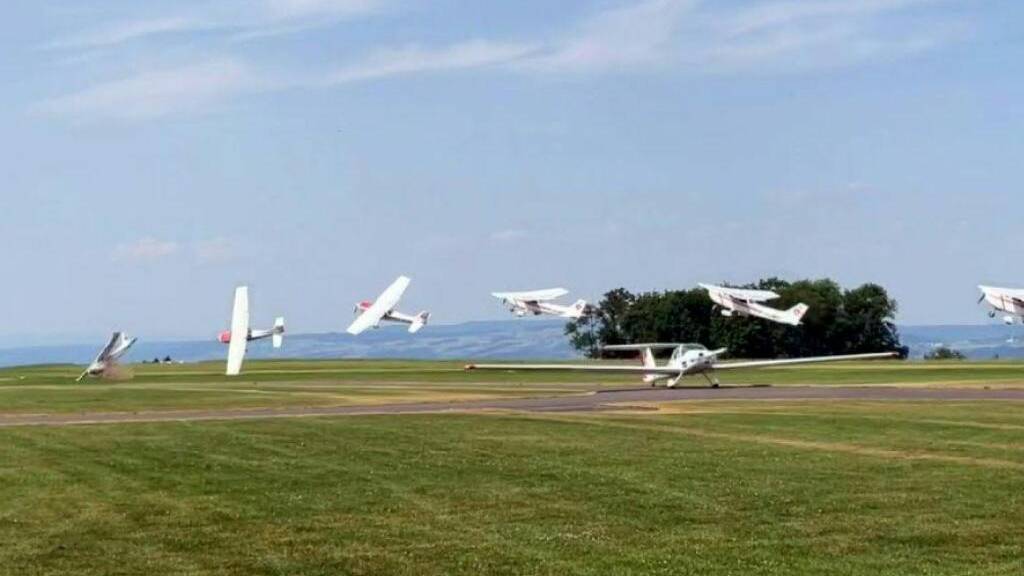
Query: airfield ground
{"x": 922, "y": 473}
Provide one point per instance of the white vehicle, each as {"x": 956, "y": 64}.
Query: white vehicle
{"x": 539, "y": 302}
{"x": 686, "y": 360}
{"x": 742, "y": 302}
{"x": 1007, "y": 300}
{"x": 371, "y": 314}
{"x": 108, "y": 357}
{"x": 240, "y": 334}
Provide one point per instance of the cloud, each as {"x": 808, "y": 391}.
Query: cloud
{"x": 145, "y": 250}
{"x": 509, "y": 236}
{"x": 769, "y": 36}
{"x": 645, "y": 36}
{"x": 156, "y": 93}
{"x": 214, "y": 251}
{"x": 413, "y": 59}
{"x": 631, "y": 35}
{"x": 238, "y": 19}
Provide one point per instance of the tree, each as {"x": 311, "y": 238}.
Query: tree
{"x": 838, "y": 322}
{"x": 945, "y": 353}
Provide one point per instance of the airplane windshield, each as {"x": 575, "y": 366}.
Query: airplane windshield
{"x": 684, "y": 348}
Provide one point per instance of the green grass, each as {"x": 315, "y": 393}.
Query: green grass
{"x": 717, "y": 488}
{"x": 328, "y": 383}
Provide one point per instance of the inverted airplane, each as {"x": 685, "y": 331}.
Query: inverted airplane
{"x": 743, "y": 302}
{"x": 240, "y": 334}
{"x": 1007, "y": 300}
{"x": 371, "y": 314}
{"x": 539, "y": 302}
{"x": 108, "y": 357}
{"x": 686, "y": 360}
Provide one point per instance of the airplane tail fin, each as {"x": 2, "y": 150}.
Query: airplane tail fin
{"x": 419, "y": 322}
{"x": 278, "y": 337}
{"x": 647, "y": 359}
{"x": 576, "y": 310}
{"x": 796, "y": 313}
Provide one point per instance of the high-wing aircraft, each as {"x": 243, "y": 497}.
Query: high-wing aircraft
{"x": 1008, "y": 300}
{"x": 240, "y": 334}
{"x": 686, "y": 360}
{"x": 538, "y": 302}
{"x": 371, "y": 314}
{"x": 108, "y": 357}
{"x": 742, "y": 302}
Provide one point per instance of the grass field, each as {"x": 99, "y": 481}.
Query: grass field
{"x": 711, "y": 487}
{"x": 335, "y": 383}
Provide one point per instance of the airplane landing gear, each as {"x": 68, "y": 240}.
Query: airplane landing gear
{"x": 712, "y": 379}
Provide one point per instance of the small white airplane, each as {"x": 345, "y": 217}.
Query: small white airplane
{"x": 538, "y": 302}
{"x": 240, "y": 334}
{"x": 742, "y": 302}
{"x": 686, "y": 360}
{"x": 1008, "y": 300}
{"x": 371, "y": 314}
{"x": 108, "y": 357}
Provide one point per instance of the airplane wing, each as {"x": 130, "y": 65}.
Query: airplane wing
{"x": 108, "y": 350}
{"x": 1010, "y": 293}
{"x": 811, "y": 360}
{"x": 742, "y": 294}
{"x": 532, "y": 296}
{"x": 642, "y": 347}
{"x": 121, "y": 346}
{"x": 239, "y": 331}
{"x": 384, "y": 304}
{"x": 612, "y": 369}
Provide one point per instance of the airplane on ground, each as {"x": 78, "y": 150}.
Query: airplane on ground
{"x": 538, "y": 302}
{"x": 1008, "y": 300}
{"x": 371, "y": 314}
{"x": 686, "y": 360}
{"x": 108, "y": 357}
{"x": 238, "y": 337}
{"x": 743, "y": 302}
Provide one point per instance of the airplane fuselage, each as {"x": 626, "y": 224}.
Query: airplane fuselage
{"x": 736, "y": 307}
{"x": 225, "y": 336}
{"x": 1004, "y": 303}
{"x": 415, "y": 322}
{"x": 521, "y": 308}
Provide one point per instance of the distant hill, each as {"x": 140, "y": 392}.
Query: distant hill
{"x": 522, "y": 339}
{"x": 980, "y": 342}
{"x": 504, "y": 339}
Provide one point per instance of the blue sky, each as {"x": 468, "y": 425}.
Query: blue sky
{"x": 157, "y": 153}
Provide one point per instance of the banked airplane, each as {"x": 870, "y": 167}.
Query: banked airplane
{"x": 1007, "y": 300}
{"x": 686, "y": 360}
{"x": 539, "y": 302}
{"x": 118, "y": 346}
{"x": 743, "y": 302}
{"x": 241, "y": 333}
{"x": 371, "y": 314}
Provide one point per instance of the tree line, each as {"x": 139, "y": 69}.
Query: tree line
{"x": 839, "y": 321}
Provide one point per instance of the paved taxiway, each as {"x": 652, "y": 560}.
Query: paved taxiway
{"x": 607, "y": 400}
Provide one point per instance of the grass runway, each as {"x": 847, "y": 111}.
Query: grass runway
{"x": 708, "y": 487}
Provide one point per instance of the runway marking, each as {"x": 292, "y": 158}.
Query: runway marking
{"x": 762, "y": 440}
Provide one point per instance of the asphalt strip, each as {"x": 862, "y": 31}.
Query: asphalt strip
{"x": 596, "y": 401}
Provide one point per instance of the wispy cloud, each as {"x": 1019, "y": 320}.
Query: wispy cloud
{"x": 413, "y": 59}
{"x": 156, "y": 93}
{"x": 648, "y": 36}
{"x": 509, "y": 236}
{"x": 214, "y": 251}
{"x": 772, "y": 36}
{"x": 144, "y": 250}
{"x": 632, "y": 35}
{"x": 238, "y": 19}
